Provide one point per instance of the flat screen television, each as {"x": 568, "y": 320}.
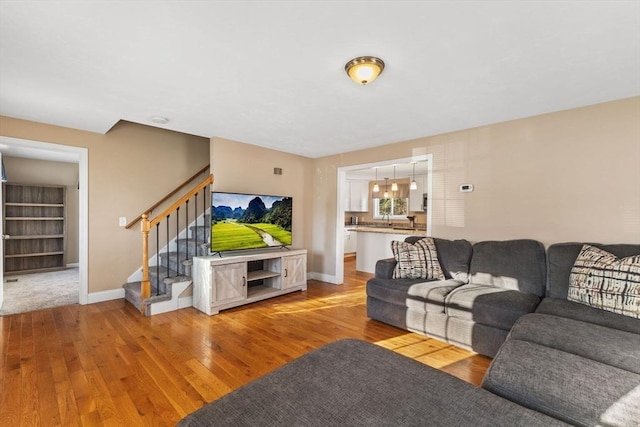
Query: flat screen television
{"x": 249, "y": 221}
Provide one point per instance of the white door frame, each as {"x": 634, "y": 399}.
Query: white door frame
{"x": 70, "y": 154}
{"x": 341, "y": 188}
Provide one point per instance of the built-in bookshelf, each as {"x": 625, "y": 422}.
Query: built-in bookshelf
{"x": 34, "y": 228}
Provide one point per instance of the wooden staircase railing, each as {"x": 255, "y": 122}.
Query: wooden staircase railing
{"x": 166, "y": 197}
{"x": 147, "y": 224}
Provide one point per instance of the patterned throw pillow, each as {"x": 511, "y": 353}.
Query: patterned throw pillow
{"x": 416, "y": 261}
{"x": 602, "y": 280}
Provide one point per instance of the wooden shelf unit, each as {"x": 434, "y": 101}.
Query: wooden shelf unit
{"x": 35, "y": 223}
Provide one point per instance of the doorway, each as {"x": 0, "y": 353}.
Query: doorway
{"x": 78, "y": 156}
{"x": 403, "y": 168}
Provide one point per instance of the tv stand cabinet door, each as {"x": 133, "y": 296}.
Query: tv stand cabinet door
{"x": 229, "y": 283}
{"x": 294, "y": 271}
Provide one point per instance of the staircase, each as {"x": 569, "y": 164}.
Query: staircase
{"x": 160, "y": 285}
{"x": 172, "y": 276}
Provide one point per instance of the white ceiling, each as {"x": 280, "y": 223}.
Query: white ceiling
{"x": 271, "y": 73}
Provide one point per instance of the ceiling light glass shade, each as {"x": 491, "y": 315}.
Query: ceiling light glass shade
{"x": 364, "y": 69}
{"x": 394, "y": 186}
{"x": 414, "y": 184}
{"x": 385, "y": 194}
{"x": 376, "y": 187}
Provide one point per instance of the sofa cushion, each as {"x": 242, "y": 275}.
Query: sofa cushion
{"x": 353, "y": 383}
{"x": 417, "y": 260}
{"x": 563, "y": 385}
{"x": 489, "y": 305}
{"x": 430, "y": 296}
{"x": 610, "y": 346}
{"x": 518, "y": 265}
{"x": 394, "y": 291}
{"x": 454, "y": 256}
{"x": 600, "y": 279}
{"x": 562, "y": 256}
{"x": 573, "y": 310}
{"x": 389, "y": 313}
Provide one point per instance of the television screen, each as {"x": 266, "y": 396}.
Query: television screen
{"x": 249, "y": 221}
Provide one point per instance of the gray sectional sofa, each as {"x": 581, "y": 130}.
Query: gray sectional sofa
{"x": 562, "y": 363}
{"x": 489, "y": 286}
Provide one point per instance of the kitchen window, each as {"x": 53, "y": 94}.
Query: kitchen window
{"x": 394, "y": 208}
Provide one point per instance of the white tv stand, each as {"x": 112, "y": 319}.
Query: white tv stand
{"x": 242, "y": 278}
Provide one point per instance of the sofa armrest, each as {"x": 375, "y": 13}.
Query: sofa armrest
{"x": 385, "y": 267}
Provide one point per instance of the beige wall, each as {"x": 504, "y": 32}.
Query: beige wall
{"x": 567, "y": 176}
{"x": 30, "y": 171}
{"x": 245, "y": 168}
{"x": 571, "y": 175}
{"x": 130, "y": 168}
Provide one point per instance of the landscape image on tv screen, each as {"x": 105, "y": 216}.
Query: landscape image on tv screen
{"x": 249, "y": 221}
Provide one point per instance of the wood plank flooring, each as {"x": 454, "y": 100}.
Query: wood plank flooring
{"x": 105, "y": 364}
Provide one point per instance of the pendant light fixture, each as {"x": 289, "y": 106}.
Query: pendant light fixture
{"x": 385, "y": 195}
{"x": 414, "y": 184}
{"x": 394, "y": 184}
{"x": 376, "y": 187}
{"x": 364, "y": 69}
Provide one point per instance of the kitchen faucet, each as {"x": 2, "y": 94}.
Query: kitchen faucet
{"x": 388, "y": 218}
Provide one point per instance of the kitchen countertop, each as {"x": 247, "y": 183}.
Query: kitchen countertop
{"x": 386, "y": 230}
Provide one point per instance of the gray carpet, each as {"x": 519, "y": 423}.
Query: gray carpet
{"x": 38, "y": 291}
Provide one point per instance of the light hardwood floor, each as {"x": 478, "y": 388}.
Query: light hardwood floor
{"x": 105, "y": 364}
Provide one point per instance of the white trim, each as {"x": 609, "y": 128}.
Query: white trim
{"x": 175, "y": 303}
{"x": 103, "y": 296}
{"x": 325, "y": 277}
{"x": 185, "y": 302}
{"x": 70, "y": 154}
{"x": 73, "y": 265}
{"x": 341, "y": 180}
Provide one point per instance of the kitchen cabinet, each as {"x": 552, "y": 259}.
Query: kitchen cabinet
{"x": 358, "y": 196}
{"x": 350, "y": 241}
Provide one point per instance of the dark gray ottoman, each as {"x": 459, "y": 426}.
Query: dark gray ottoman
{"x": 354, "y": 383}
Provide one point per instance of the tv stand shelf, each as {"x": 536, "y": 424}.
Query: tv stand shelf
{"x": 241, "y": 278}
{"x": 261, "y": 274}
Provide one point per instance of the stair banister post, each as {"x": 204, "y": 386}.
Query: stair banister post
{"x": 145, "y": 290}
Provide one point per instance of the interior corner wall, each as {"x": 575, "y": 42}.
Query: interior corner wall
{"x": 243, "y": 168}
{"x": 566, "y": 176}
{"x": 42, "y": 172}
{"x": 130, "y": 168}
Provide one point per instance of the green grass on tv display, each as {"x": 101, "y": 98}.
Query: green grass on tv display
{"x": 246, "y": 221}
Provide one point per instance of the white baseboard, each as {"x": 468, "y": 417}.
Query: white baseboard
{"x": 103, "y": 296}
{"x": 73, "y": 265}
{"x": 185, "y": 302}
{"x": 323, "y": 278}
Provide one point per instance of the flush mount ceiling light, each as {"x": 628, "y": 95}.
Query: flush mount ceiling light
{"x": 364, "y": 69}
